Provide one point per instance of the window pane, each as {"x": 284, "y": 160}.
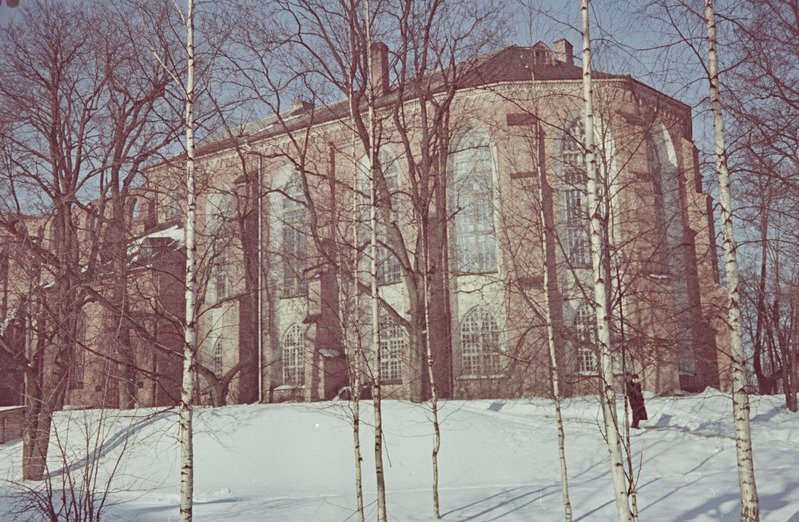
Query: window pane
{"x": 577, "y": 246}
{"x": 293, "y": 357}
{"x": 474, "y": 218}
{"x": 480, "y": 346}
{"x": 392, "y": 345}
{"x": 295, "y": 242}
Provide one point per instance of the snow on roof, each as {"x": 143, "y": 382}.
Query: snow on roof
{"x": 174, "y": 233}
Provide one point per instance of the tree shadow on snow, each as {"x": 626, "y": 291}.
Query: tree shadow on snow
{"x": 113, "y": 442}
{"x": 500, "y": 504}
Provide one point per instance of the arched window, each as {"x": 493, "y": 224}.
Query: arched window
{"x": 392, "y": 346}
{"x": 218, "y": 368}
{"x": 586, "y": 338}
{"x": 481, "y": 348}
{"x": 294, "y": 356}
{"x": 294, "y": 240}
{"x": 574, "y": 189}
{"x": 221, "y": 214}
{"x": 474, "y": 204}
{"x": 171, "y": 202}
{"x": 388, "y": 211}
{"x": 77, "y": 367}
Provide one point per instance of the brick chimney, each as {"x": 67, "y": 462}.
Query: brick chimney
{"x": 379, "y": 72}
{"x": 564, "y": 52}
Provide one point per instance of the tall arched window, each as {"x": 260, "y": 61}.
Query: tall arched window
{"x": 294, "y": 240}
{"x": 218, "y": 367}
{"x": 586, "y": 338}
{"x": 221, "y": 213}
{"x": 482, "y": 354}
{"x": 294, "y": 356}
{"x": 392, "y": 345}
{"x": 388, "y": 211}
{"x": 171, "y": 202}
{"x": 474, "y": 204}
{"x": 574, "y": 189}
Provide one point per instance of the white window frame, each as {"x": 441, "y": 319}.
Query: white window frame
{"x": 482, "y": 354}
{"x": 585, "y": 327}
{"x": 294, "y": 238}
{"x": 293, "y": 356}
{"x": 392, "y": 348}
{"x": 218, "y": 359}
{"x": 475, "y": 242}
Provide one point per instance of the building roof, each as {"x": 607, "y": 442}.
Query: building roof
{"x": 509, "y": 64}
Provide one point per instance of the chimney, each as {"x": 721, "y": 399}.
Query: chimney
{"x": 299, "y": 106}
{"x": 564, "y": 52}
{"x": 379, "y": 72}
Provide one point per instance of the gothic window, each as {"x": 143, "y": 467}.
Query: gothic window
{"x": 221, "y": 215}
{"x": 217, "y": 361}
{"x": 480, "y": 343}
{"x": 294, "y": 240}
{"x": 171, "y": 202}
{"x": 220, "y": 270}
{"x": 388, "y": 211}
{"x": 293, "y": 356}
{"x": 474, "y": 209}
{"x": 77, "y": 367}
{"x": 586, "y": 338}
{"x": 574, "y": 191}
{"x": 392, "y": 345}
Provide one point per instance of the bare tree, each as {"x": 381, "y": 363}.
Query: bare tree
{"x": 59, "y": 76}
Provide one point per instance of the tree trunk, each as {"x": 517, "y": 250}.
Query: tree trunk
{"x": 429, "y": 359}
{"x": 121, "y": 330}
{"x": 750, "y": 508}
{"x": 607, "y": 393}
{"x": 190, "y": 332}
{"x": 373, "y": 175}
{"x": 762, "y": 381}
{"x": 350, "y": 327}
{"x": 553, "y": 359}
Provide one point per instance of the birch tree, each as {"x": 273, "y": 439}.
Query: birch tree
{"x": 750, "y": 508}
{"x": 607, "y": 393}
{"x": 190, "y": 348}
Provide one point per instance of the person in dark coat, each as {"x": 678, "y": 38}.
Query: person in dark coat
{"x": 636, "y": 398}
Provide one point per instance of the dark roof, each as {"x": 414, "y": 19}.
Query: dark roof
{"x": 511, "y": 63}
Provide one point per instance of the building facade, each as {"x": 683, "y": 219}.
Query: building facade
{"x": 471, "y": 211}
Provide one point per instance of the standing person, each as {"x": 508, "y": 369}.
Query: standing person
{"x": 636, "y": 398}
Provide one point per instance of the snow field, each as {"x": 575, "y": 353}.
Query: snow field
{"x": 498, "y": 461}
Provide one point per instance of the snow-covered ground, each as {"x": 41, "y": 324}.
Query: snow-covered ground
{"x": 498, "y": 461}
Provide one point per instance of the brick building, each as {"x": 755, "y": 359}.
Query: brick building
{"x": 514, "y": 120}
{"x": 284, "y": 226}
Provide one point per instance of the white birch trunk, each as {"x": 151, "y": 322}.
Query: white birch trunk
{"x": 607, "y": 393}
{"x": 376, "y": 392}
{"x": 430, "y": 372}
{"x": 750, "y": 508}
{"x": 553, "y": 360}
{"x": 357, "y": 357}
{"x": 190, "y": 333}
